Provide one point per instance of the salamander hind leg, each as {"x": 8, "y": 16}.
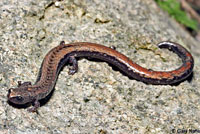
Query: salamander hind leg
{"x": 74, "y": 68}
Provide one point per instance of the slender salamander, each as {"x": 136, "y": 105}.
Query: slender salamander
{"x": 68, "y": 53}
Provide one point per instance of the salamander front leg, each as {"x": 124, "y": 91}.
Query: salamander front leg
{"x": 74, "y": 68}
{"x": 27, "y": 83}
{"x": 36, "y": 105}
{"x": 62, "y": 43}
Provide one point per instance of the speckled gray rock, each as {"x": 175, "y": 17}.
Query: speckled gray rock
{"x": 97, "y": 99}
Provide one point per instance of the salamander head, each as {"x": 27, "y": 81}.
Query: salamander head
{"x": 21, "y": 94}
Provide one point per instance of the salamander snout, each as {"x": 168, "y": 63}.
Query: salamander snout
{"x": 16, "y": 96}
{"x": 20, "y": 95}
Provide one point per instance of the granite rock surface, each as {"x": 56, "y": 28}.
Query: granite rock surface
{"x": 97, "y": 99}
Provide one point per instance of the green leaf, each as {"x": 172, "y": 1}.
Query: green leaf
{"x": 174, "y": 9}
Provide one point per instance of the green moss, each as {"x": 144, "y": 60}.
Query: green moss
{"x": 174, "y": 9}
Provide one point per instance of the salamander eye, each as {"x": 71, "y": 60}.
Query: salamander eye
{"x": 19, "y": 98}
